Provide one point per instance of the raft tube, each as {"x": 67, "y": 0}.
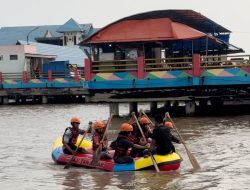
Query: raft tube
{"x": 165, "y": 162}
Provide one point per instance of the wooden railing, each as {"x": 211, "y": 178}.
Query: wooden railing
{"x": 229, "y": 61}
{"x": 168, "y": 64}
{"x": 114, "y": 66}
{"x": 77, "y": 74}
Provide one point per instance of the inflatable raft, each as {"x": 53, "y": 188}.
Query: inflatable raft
{"x": 166, "y": 163}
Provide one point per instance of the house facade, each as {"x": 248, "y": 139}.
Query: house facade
{"x": 14, "y": 59}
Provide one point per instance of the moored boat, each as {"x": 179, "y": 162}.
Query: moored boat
{"x": 165, "y": 162}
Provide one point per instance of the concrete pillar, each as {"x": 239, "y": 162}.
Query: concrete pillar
{"x": 5, "y": 100}
{"x": 190, "y": 108}
{"x": 114, "y": 108}
{"x": 87, "y": 99}
{"x": 133, "y": 107}
{"x": 153, "y": 106}
{"x": 44, "y": 99}
{"x": 167, "y": 105}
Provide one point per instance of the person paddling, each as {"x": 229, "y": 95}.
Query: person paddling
{"x": 70, "y": 136}
{"x": 123, "y": 144}
{"x": 169, "y": 125}
{"x": 99, "y": 127}
{"x": 161, "y": 138}
{"x": 144, "y": 123}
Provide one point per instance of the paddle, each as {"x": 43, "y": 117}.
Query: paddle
{"x": 191, "y": 157}
{"x": 141, "y": 111}
{"x": 83, "y": 136}
{"x": 97, "y": 155}
{"x": 143, "y": 136}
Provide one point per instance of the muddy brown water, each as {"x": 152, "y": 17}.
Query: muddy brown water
{"x": 220, "y": 144}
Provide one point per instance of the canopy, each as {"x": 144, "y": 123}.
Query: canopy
{"x": 144, "y": 30}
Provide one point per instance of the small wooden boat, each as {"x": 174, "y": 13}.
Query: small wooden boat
{"x": 165, "y": 162}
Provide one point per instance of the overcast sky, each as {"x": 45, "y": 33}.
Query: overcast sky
{"x": 232, "y": 14}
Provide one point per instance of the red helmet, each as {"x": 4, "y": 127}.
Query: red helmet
{"x": 169, "y": 125}
{"x": 99, "y": 125}
{"x": 75, "y": 120}
{"x": 126, "y": 127}
{"x": 144, "y": 120}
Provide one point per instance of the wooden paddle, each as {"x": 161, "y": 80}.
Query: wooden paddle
{"x": 143, "y": 136}
{"x": 97, "y": 155}
{"x": 83, "y": 136}
{"x": 143, "y": 113}
{"x": 191, "y": 157}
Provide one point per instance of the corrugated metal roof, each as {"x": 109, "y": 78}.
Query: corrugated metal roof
{"x": 10, "y": 35}
{"x": 70, "y": 26}
{"x": 74, "y": 54}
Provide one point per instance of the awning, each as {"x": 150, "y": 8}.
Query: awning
{"x": 145, "y": 30}
{"x": 40, "y": 55}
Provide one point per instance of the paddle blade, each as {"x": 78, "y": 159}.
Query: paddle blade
{"x": 193, "y": 160}
{"x": 96, "y": 157}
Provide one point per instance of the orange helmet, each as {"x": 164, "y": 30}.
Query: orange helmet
{"x": 126, "y": 127}
{"x": 75, "y": 120}
{"x": 99, "y": 125}
{"x": 144, "y": 120}
{"x": 169, "y": 124}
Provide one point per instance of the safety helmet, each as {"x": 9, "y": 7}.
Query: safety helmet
{"x": 144, "y": 120}
{"x": 75, "y": 120}
{"x": 126, "y": 127}
{"x": 169, "y": 124}
{"x": 99, "y": 125}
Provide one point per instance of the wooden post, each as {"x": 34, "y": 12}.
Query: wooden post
{"x": 88, "y": 69}
{"x": 1, "y": 77}
{"x": 140, "y": 67}
{"x": 25, "y": 77}
{"x": 114, "y": 108}
{"x": 196, "y": 60}
{"x": 76, "y": 76}
{"x": 50, "y": 76}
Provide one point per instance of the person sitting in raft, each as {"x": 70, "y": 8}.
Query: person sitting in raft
{"x": 99, "y": 127}
{"x": 161, "y": 138}
{"x": 70, "y": 137}
{"x": 169, "y": 125}
{"x": 123, "y": 144}
{"x": 145, "y": 126}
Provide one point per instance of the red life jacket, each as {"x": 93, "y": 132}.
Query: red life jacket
{"x": 97, "y": 137}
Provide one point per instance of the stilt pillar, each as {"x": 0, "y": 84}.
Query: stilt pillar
{"x": 133, "y": 107}
{"x": 87, "y": 99}
{"x": 114, "y": 108}
{"x": 190, "y": 108}
{"x": 153, "y": 106}
{"x": 167, "y": 106}
{"x": 5, "y": 100}
{"x": 44, "y": 99}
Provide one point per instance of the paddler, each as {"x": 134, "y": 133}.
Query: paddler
{"x": 70, "y": 137}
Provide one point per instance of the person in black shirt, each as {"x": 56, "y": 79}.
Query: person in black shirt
{"x": 161, "y": 138}
{"x": 123, "y": 144}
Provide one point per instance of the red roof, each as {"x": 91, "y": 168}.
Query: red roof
{"x": 145, "y": 30}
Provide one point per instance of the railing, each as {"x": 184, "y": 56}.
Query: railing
{"x": 114, "y": 66}
{"x": 230, "y": 61}
{"x": 168, "y": 64}
{"x": 26, "y": 76}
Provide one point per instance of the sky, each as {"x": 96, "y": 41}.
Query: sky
{"x": 233, "y": 15}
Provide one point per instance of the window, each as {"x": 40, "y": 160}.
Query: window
{"x": 1, "y": 57}
{"x": 13, "y": 57}
{"x": 74, "y": 40}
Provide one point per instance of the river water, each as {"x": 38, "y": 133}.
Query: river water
{"x": 220, "y": 144}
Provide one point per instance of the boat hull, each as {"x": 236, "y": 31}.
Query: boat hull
{"x": 165, "y": 162}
